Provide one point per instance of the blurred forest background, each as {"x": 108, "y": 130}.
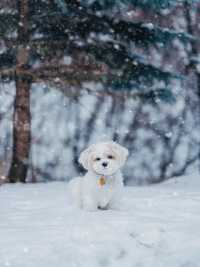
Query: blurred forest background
{"x": 78, "y": 72}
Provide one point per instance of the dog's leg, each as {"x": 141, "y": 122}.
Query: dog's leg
{"x": 89, "y": 204}
{"x": 103, "y": 203}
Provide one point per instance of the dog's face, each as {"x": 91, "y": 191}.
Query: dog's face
{"x": 104, "y": 158}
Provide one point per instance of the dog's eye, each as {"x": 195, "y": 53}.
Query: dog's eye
{"x": 97, "y": 159}
{"x": 110, "y": 157}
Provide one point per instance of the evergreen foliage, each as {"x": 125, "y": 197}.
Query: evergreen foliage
{"x": 104, "y": 45}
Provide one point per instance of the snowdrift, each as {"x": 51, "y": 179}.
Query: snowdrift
{"x": 157, "y": 226}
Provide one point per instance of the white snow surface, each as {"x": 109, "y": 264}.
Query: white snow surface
{"x": 156, "y": 226}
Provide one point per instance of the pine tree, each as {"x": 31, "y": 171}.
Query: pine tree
{"x": 103, "y": 46}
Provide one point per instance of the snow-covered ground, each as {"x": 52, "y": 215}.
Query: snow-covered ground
{"x": 157, "y": 226}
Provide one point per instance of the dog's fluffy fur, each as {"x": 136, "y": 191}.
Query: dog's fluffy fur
{"x": 105, "y": 160}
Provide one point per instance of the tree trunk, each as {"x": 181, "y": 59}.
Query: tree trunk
{"x": 22, "y": 118}
{"x": 21, "y": 132}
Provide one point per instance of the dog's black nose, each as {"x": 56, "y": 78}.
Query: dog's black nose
{"x": 104, "y": 164}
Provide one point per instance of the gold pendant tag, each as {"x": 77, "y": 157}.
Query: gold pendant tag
{"x": 102, "y": 181}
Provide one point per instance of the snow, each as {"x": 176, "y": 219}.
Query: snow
{"x": 155, "y": 226}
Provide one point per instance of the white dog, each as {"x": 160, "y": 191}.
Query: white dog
{"x": 102, "y": 184}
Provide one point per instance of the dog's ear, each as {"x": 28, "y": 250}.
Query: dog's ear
{"x": 84, "y": 158}
{"x": 121, "y": 151}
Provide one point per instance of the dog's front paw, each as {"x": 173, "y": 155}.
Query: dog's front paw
{"x": 88, "y": 208}
{"x": 89, "y": 205}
